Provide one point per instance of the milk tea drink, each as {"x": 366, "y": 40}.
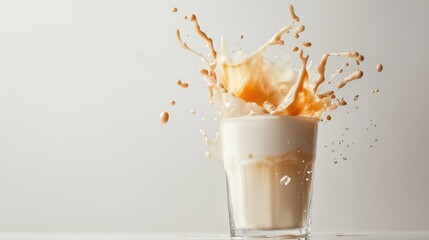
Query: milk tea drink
{"x": 269, "y": 112}
{"x": 269, "y": 165}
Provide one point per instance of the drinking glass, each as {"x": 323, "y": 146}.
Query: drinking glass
{"x": 269, "y": 164}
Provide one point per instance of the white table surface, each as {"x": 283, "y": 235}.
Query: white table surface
{"x": 200, "y": 236}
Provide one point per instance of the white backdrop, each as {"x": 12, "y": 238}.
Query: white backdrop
{"x": 82, "y": 84}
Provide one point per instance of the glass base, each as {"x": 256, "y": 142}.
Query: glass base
{"x": 295, "y": 233}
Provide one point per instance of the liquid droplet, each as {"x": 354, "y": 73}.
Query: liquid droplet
{"x": 164, "y": 117}
{"x": 379, "y": 67}
{"x": 356, "y": 97}
{"x": 285, "y": 180}
{"x": 182, "y": 84}
{"x": 375, "y": 90}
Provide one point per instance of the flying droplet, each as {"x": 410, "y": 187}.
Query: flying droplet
{"x": 164, "y": 117}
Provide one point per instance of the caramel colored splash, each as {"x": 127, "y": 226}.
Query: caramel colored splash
{"x": 174, "y": 10}
{"x": 356, "y": 75}
{"x": 306, "y": 44}
{"x": 185, "y": 46}
{"x": 245, "y": 84}
{"x": 182, "y": 84}
{"x": 164, "y": 117}
{"x": 379, "y": 67}
{"x": 203, "y": 35}
{"x": 299, "y": 30}
{"x": 172, "y": 102}
{"x": 292, "y": 14}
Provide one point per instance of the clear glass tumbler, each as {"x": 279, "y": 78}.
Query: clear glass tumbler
{"x": 269, "y": 165}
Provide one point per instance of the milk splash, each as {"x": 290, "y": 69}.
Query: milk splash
{"x": 248, "y": 84}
